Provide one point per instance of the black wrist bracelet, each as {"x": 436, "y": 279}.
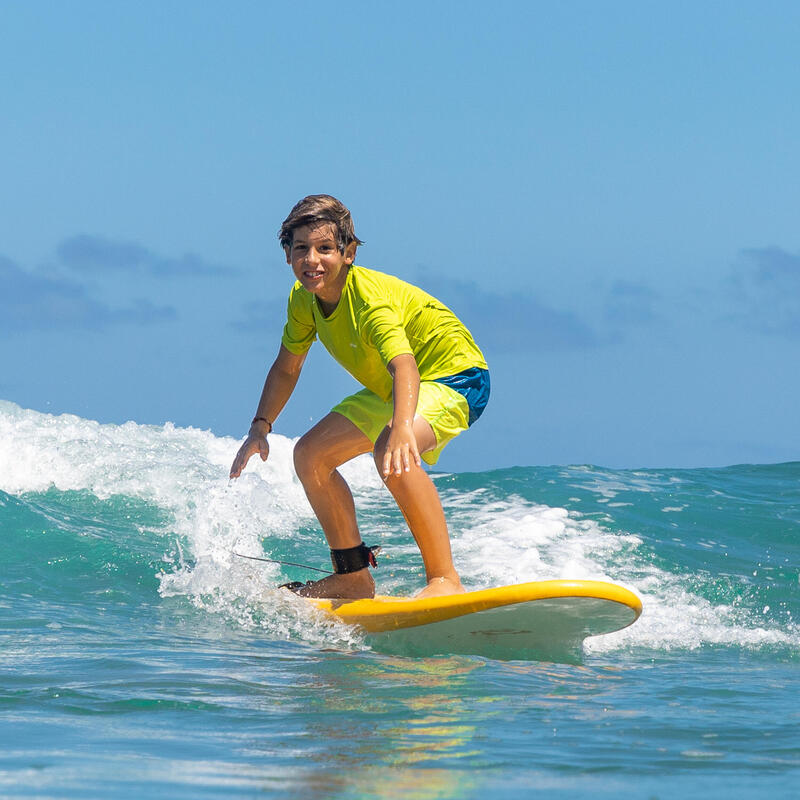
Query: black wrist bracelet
{"x": 262, "y": 419}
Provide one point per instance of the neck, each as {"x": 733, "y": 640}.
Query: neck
{"x": 327, "y": 307}
{"x": 330, "y": 300}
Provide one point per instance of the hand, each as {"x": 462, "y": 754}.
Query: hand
{"x": 401, "y": 450}
{"x": 254, "y": 443}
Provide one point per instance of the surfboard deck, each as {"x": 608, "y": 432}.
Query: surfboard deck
{"x": 526, "y": 620}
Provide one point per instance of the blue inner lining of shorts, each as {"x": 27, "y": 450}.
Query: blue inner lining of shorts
{"x": 474, "y": 385}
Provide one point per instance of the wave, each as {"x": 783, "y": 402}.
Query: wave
{"x": 156, "y": 504}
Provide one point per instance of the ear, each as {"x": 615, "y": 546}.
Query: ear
{"x": 288, "y": 252}
{"x": 350, "y": 253}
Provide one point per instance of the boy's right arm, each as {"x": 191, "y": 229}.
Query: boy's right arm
{"x": 281, "y": 380}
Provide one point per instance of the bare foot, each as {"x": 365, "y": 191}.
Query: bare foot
{"x": 439, "y": 587}
{"x": 352, "y": 586}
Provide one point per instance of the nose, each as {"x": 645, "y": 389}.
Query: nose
{"x": 312, "y": 256}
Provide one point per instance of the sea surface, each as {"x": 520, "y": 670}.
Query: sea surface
{"x": 140, "y": 656}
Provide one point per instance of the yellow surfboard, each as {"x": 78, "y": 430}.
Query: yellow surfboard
{"x": 525, "y": 620}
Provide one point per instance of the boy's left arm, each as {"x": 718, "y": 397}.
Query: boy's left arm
{"x": 401, "y": 447}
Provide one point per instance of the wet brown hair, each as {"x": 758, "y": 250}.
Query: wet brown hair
{"x": 316, "y": 210}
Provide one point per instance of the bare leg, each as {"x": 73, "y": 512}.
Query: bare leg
{"x": 419, "y": 501}
{"x": 330, "y": 443}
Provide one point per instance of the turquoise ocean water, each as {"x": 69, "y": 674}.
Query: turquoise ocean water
{"x": 140, "y": 657}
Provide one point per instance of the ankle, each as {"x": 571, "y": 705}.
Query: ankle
{"x": 352, "y": 585}
{"x": 450, "y": 576}
{"x": 440, "y": 586}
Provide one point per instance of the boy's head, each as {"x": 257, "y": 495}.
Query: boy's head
{"x": 317, "y": 210}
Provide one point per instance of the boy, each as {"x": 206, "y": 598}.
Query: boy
{"x": 425, "y": 378}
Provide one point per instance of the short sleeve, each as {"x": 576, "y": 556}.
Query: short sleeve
{"x": 300, "y": 330}
{"x": 382, "y": 327}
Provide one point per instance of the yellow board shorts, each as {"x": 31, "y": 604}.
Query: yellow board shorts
{"x": 443, "y": 408}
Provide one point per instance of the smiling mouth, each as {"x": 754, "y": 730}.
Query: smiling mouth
{"x": 316, "y": 274}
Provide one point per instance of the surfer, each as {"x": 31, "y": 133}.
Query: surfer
{"x": 425, "y": 382}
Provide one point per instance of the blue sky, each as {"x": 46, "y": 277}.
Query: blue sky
{"x": 607, "y": 193}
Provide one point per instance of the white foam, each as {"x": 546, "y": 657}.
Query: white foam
{"x": 677, "y": 619}
{"x": 514, "y": 541}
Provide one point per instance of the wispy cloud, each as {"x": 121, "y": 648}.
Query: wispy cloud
{"x": 631, "y": 304}
{"x": 772, "y": 265}
{"x": 85, "y": 253}
{"x": 766, "y": 289}
{"x": 262, "y": 317}
{"x": 32, "y": 301}
{"x": 504, "y": 322}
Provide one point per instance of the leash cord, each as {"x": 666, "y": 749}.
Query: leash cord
{"x": 285, "y": 563}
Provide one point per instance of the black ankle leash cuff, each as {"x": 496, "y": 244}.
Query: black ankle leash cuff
{"x": 352, "y": 559}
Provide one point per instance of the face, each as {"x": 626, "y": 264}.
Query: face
{"x": 317, "y": 263}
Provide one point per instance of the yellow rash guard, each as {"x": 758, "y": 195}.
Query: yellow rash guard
{"x": 379, "y": 317}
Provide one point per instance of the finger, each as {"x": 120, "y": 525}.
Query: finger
{"x": 406, "y": 459}
{"x": 239, "y": 463}
{"x": 387, "y": 462}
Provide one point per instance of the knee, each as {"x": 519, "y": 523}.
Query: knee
{"x": 306, "y": 459}
{"x": 313, "y": 462}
